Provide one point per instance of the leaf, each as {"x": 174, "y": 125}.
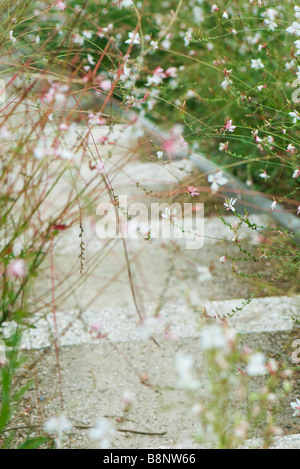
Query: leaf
{"x": 33, "y": 443}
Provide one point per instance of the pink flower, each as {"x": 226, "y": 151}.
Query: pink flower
{"x": 105, "y": 85}
{"x": 64, "y": 126}
{"x": 228, "y": 126}
{"x": 17, "y": 268}
{"x": 96, "y": 119}
{"x": 296, "y": 173}
{"x": 171, "y": 72}
{"x": 175, "y": 142}
{"x": 96, "y": 331}
{"x": 298, "y": 210}
{"x": 223, "y": 146}
{"x": 193, "y": 191}
{"x": 60, "y": 5}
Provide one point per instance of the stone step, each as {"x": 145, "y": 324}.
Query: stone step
{"x": 162, "y": 270}
{"x": 94, "y": 377}
{"x": 261, "y": 315}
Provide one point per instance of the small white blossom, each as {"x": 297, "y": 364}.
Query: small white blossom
{"x": 296, "y": 407}
{"x": 184, "y": 370}
{"x": 11, "y": 37}
{"x": 133, "y": 38}
{"x": 290, "y": 65}
{"x": 91, "y": 59}
{"x": 104, "y": 432}
{"x": 126, "y": 3}
{"x": 273, "y": 206}
{"x": 294, "y": 29}
{"x": 295, "y": 115}
{"x": 291, "y": 149}
{"x": 169, "y": 214}
{"x": 257, "y": 64}
{"x": 229, "y": 204}
{"x": 58, "y": 425}
{"x": 212, "y": 337}
{"x": 226, "y": 83}
{"x": 264, "y": 175}
{"x": 296, "y": 173}
{"x": 256, "y": 365}
{"x": 217, "y": 180}
{"x": 154, "y": 45}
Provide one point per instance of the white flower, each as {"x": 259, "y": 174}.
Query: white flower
{"x": 290, "y": 65}
{"x": 77, "y": 39}
{"x": 103, "y": 433}
{"x": 296, "y": 407}
{"x": 43, "y": 148}
{"x": 133, "y": 38}
{"x": 229, "y": 204}
{"x": 223, "y": 146}
{"x": 295, "y": 115}
{"x": 297, "y": 11}
{"x": 64, "y": 154}
{"x": 291, "y": 149}
{"x": 91, "y": 59}
{"x": 126, "y": 3}
{"x": 168, "y": 214}
{"x": 160, "y": 154}
{"x": 212, "y": 337}
{"x": 296, "y": 173}
{"x": 217, "y": 180}
{"x": 222, "y": 259}
{"x": 154, "y": 45}
{"x": 256, "y": 365}
{"x": 264, "y": 175}
{"x": 11, "y": 37}
{"x": 58, "y": 425}
{"x": 270, "y": 13}
{"x": 226, "y": 83}
{"x": 198, "y": 14}
{"x": 184, "y": 370}
{"x": 294, "y": 29}
{"x": 273, "y": 206}
{"x": 87, "y": 34}
{"x": 257, "y": 64}
{"x": 204, "y": 274}
{"x": 271, "y": 24}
